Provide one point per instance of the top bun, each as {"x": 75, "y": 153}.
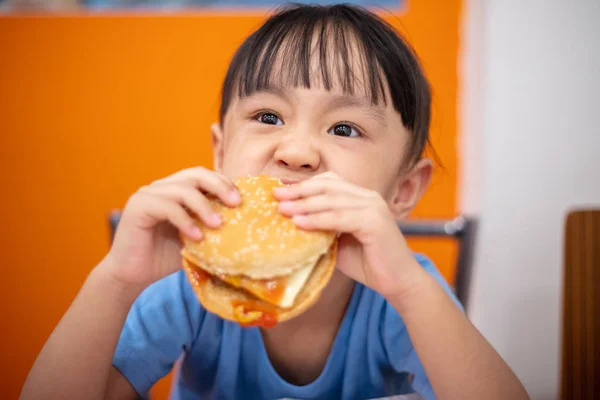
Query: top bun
{"x": 255, "y": 239}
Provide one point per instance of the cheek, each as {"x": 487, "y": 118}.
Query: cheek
{"x": 371, "y": 168}
{"x": 244, "y": 154}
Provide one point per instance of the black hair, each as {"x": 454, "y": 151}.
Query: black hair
{"x": 281, "y": 50}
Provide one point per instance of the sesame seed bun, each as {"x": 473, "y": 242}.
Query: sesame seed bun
{"x": 255, "y": 239}
{"x": 258, "y": 268}
{"x": 221, "y": 299}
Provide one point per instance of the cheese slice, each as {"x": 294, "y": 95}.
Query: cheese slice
{"x": 295, "y": 283}
{"x": 280, "y": 291}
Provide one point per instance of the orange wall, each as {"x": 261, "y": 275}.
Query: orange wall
{"x": 92, "y": 107}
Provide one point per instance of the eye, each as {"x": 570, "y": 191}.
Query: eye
{"x": 344, "y": 130}
{"x": 269, "y": 119}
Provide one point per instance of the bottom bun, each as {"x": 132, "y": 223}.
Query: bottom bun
{"x": 224, "y": 300}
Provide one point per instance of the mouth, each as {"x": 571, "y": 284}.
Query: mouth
{"x": 289, "y": 181}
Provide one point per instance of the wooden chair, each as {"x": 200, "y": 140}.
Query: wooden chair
{"x": 461, "y": 228}
{"x": 580, "y": 377}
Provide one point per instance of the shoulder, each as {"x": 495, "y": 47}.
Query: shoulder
{"x": 391, "y": 320}
{"x": 430, "y": 267}
{"x": 374, "y": 299}
{"x": 174, "y": 288}
{"x": 163, "y": 320}
{"x": 168, "y": 304}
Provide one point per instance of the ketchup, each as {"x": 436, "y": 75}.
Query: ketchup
{"x": 268, "y": 317}
{"x": 199, "y": 275}
{"x": 264, "y": 321}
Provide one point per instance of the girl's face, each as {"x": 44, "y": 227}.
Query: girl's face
{"x": 296, "y": 133}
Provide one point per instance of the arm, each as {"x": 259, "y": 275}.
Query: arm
{"x": 76, "y": 361}
{"x": 459, "y": 362}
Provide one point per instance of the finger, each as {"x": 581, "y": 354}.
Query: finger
{"x": 328, "y": 175}
{"x": 189, "y": 197}
{"x": 207, "y": 181}
{"x": 160, "y": 209}
{"x": 316, "y": 186}
{"x": 331, "y": 220}
{"x": 320, "y": 203}
{"x": 186, "y": 174}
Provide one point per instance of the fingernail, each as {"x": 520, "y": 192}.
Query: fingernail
{"x": 215, "y": 219}
{"x": 299, "y": 219}
{"x": 280, "y": 190}
{"x": 195, "y": 232}
{"x": 235, "y": 196}
{"x": 285, "y": 204}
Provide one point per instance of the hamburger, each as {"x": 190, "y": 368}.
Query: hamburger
{"x": 258, "y": 268}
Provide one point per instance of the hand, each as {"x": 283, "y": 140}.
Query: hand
{"x": 146, "y": 246}
{"x": 371, "y": 249}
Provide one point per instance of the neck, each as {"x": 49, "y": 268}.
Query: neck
{"x": 296, "y": 359}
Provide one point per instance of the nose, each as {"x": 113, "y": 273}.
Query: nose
{"x": 297, "y": 152}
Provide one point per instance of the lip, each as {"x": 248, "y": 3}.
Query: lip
{"x": 289, "y": 181}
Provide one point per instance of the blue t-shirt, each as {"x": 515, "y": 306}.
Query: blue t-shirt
{"x": 372, "y": 355}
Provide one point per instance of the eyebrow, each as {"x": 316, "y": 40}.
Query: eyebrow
{"x": 346, "y": 101}
{"x": 277, "y": 91}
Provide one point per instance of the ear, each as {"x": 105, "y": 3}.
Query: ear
{"x": 410, "y": 188}
{"x": 217, "y": 143}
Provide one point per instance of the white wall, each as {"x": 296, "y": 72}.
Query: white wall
{"x": 531, "y": 151}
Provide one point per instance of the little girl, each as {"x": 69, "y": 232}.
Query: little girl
{"x": 333, "y": 101}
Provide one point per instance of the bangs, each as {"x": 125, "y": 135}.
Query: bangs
{"x": 338, "y": 47}
{"x": 308, "y": 49}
